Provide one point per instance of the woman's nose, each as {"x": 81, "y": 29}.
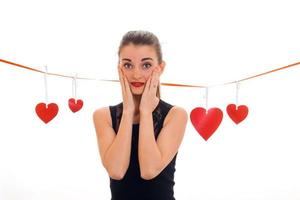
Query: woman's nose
{"x": 137, "y": 73}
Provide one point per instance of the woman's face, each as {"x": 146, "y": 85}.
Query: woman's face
{"x": 137, "y": 63}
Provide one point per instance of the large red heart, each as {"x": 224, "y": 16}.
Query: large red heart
{"x": 206, "y": 123}
{"x": 237, "y": 115}
{"x": 46, "y": 114}
{"x": 75, "y": 106}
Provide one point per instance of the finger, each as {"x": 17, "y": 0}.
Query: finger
{"x": 157, "y": 78}
{"x": 147, "y": 86}
{"x": 154, "y": 82}
{"x": 121, "y": 81}
{"x": 124, "y": 80}
{"x": 127, "y": 85}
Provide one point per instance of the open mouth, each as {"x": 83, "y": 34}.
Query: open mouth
{"x": 137, "y": 84}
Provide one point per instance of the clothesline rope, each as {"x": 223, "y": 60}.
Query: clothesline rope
{"x": 166, "y": 84}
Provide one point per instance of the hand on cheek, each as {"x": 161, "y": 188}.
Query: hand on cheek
{"x": 149, "y": 99}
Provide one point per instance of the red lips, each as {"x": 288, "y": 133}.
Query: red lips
{"x": 137, "y": 84}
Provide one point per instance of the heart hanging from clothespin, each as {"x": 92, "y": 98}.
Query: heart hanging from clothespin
{"x": 46, "y": 113}
{"x": 75, "y": 105}
{"x": 237, "y": 114}
{"x": 235, "y": 111}
{"x": 206, "y": 122}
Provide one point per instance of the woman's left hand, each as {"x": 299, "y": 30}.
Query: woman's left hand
{"x": 149, "y": 99}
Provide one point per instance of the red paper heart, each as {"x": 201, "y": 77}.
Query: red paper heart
{"x": 46, "y": 114}
{"x": 206, "y": 123}
{"x": 237, "y": 115}
{"x": 75, "y": 106}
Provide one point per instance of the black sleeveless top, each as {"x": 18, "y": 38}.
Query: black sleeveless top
{"x": 132, "y": 186}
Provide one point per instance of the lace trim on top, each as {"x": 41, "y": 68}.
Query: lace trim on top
{"x": 157, "y": 115}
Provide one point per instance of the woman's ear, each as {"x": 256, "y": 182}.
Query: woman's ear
{"x": 161, "y": 67}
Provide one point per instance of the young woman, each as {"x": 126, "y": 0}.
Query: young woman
{"x": 138, "y": 139}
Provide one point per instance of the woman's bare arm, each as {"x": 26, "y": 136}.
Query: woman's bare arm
{"x": 114, "y": 148}
{"x": 154, "y": 156}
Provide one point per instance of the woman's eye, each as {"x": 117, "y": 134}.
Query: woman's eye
{"x": 127, "y": 64}
{"x": 148, "y": 65}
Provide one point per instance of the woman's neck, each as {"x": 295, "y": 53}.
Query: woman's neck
{"x": 137, "y": 101}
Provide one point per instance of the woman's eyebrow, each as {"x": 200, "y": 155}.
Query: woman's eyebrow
{"x": 126, "y": 59}
{"x": 148, "y": 58}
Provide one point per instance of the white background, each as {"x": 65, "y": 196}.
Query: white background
{"x": 203, "y": 42}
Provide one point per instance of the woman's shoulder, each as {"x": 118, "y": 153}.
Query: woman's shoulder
{"x": 172, "y": 107}
{"x": 175, "y": 111}
{"x": 106, "y": 112}
{"x": 102, "y": 113}
{"x": 106, "y": 109}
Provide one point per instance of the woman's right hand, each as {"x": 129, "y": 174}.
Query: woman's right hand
{"x": 128, "y": 103}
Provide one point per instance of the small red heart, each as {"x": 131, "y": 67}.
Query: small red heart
{"x": 75, "y": 106}
{"x": 206, "y": 123}
{"x": 46, "y": 114}
{"x": 237, "y": 115}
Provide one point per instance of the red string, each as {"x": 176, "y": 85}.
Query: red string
{"x": 166, "y": 84}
